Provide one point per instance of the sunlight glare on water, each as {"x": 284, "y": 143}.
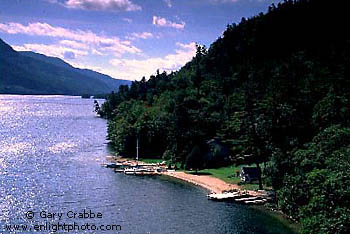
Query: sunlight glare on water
{"x": 51, "y": 148}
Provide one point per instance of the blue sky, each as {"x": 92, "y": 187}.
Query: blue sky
{"x": 126, "y": 39}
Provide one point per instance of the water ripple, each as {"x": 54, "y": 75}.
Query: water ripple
{"x": 51, "y": 148}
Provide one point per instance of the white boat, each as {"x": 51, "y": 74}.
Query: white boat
{"x": 256, "y": 202}
{"x": 221, "y": 196}
{"x": 129, "y": 171}
{"x": 140, "y": 171}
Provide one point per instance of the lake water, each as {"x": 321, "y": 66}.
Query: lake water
{"x": 51, "y": 150}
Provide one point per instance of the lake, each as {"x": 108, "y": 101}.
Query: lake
{"x": 51, "y": 151}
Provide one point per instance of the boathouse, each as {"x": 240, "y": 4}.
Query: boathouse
{"x": 249, "y": 174}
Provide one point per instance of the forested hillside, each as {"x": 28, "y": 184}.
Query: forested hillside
{"x": 32, "y": 73}
{"x": 273, "y": 89}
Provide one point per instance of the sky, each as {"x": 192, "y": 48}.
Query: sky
{"x": 126, "y": 39}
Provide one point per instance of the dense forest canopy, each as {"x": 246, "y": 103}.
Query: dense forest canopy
{"x": 272, "y": 89}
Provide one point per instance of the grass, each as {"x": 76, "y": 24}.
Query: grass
{"x": 197, "y": 173}
{"x": 227, "y": 174}
{"x": 151, "y": 160}
{"x": 252, "y": 186}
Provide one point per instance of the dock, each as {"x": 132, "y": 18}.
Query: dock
{"x": 221, "y": 191}
{"x": 129, "y": 167}
{"x": 243, "y": 197}
{"x": 141, "y": 171}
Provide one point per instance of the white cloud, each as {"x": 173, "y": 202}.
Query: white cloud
{"x": 128, "y": 20}
{"x": 103, "y": 5}
{"x": 96, "y": 52}
{"x": 168, "y": 3}
{"x": 74, "y": 44}
{"x": 62, "y": 53}
{"x": 97, "y": 42}
{"x": 135, "y": 69}
{"x": 162, "y": 22}
{"x": 143, "y": 35}
{"x": 190, "y": 46}
{"x": 52, "y": 50}
{"x": 85, "y": 66}
{"x": 69, "y": 55}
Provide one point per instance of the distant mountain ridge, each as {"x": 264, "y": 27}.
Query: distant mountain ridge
{"x": 27, "y": 72}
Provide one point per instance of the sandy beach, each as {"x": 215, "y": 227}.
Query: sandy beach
{"x": 210, "y": 183}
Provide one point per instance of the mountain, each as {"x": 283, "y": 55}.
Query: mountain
{"x": 52, "y": 60}
{"x": 32, "y": 73}
{"x": 109, "y": 81}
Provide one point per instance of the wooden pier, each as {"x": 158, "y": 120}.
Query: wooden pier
{"x": 136, "y": 168}
{"x": 243, "y": 197}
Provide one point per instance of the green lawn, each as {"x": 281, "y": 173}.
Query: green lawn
{"x": 151, "y": 160}
{"x": 227, "y": 174}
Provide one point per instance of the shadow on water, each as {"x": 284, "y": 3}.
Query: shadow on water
{"x": 110, "y": 149}
{"x": 250, "y": 218}
{"x": 50, "y": 156}
{"x": 275, "y": 219}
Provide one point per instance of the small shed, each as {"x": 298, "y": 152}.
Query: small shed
{"x": 249, "y": 174}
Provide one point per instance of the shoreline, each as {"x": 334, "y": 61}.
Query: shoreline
{"x": 210, "y": 183}
{"x": 216, "y": 185}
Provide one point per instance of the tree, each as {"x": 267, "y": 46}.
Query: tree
{"x": 269, "y": 96}
{"x": 318, "y": 190}
{"x": 96, "y": 106}
{"x": 194, "y": 159}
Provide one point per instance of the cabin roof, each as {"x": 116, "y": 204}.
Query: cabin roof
{"x": 251, "y": 171}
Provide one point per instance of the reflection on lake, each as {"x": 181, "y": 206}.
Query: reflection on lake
{"x": 51, "y": 148}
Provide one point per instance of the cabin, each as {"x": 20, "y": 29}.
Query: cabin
{"x": 249, "y": 174}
